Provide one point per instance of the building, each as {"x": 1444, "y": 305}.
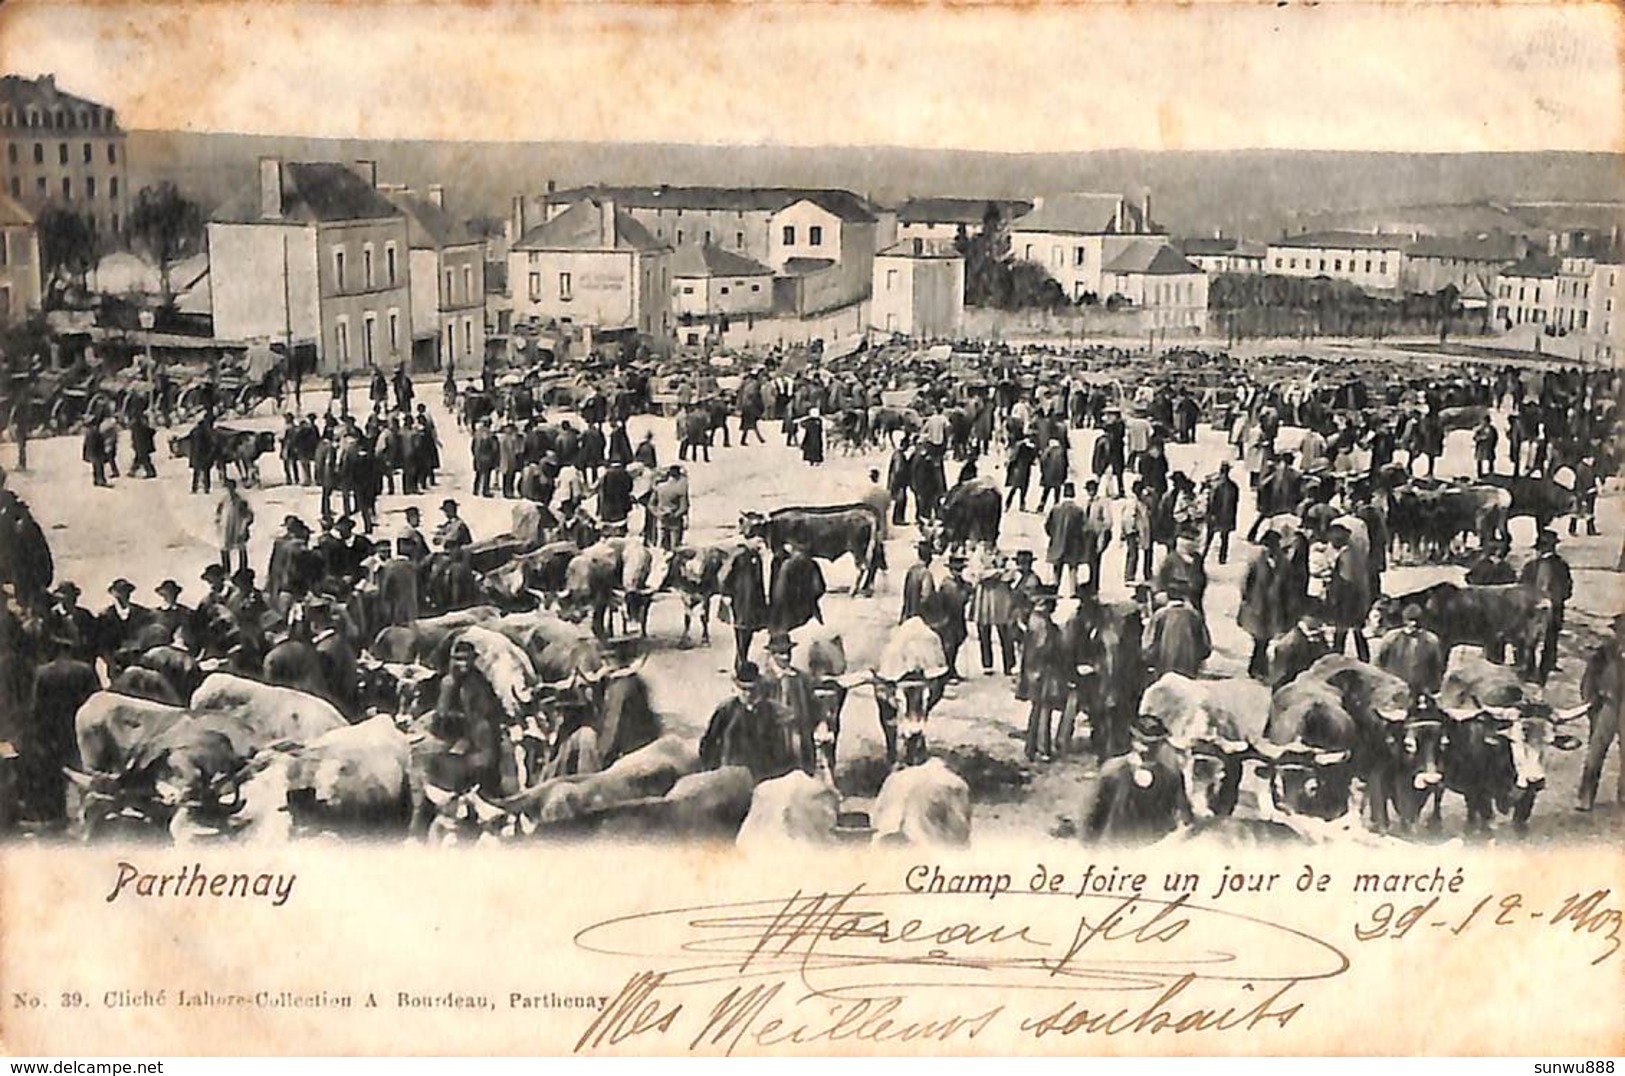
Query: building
{"x": 1073, "y": 236}
{"x": 62, "y": 150}
{"x": 1168, "y": 289}
{"x": 708, "y": 282}
{"x": 1371, "y": 260}
{"x": 593, "y": 266}
{"x": 820, "y": 243}
{"x": 1222, "y": 254}
{"x": 1468, "y": 263}
{"x": 20, "y": 284}
{"x": 446, "y": 268}
{"x": 1608, "y": 309}
{"x": 944, "y": 218}
{"x": 1525, "y": 291}
{"x": 919, "y": 289}
{"x": 314, "y": 254}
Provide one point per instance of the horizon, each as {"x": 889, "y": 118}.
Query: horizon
{"x": 1204, "y": 78}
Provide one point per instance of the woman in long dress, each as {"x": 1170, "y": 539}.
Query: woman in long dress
{"x": 812, "y": 438}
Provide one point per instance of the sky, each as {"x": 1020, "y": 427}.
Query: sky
{"x": 1205, "y": 76}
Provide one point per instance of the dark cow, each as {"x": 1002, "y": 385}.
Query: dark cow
{"x": 1488, "y": 616}
{"x": 1426, "y": 522}
{"x": 827, "y": 533}
{"x": 1539, "y": 499}
{"x": 428, "y": 640}
{"x": 1494, "y": 758}
{"x": 970, "y": 513}
{"x": 144, "y": 683}
{"x": 1104, "y": 638}
{"x": 696, "y": 572}
{"x": 530, "y": 580}
{"x": 1462, "y": 418}
{"x": 888, "y": 422}
{"x": 1309, "y": 742}
{"x": 232, "y": 446}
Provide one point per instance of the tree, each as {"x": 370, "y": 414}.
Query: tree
{"x": 987, "y": 260}
{"x": 167, "y": 226}
{"x": 487, "y": 227}
{"x": 68, "y": 246}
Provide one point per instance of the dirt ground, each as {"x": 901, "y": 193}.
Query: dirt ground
{"x": 148, "y": 530}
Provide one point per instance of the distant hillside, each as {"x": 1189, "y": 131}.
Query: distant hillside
{"x": 1254, "y": 192}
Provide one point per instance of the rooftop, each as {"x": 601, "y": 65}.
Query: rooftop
{"x": 429, "y": 226}
{"x": 1345, "y": 241}
{"x": 1497, "y": 247}
{"x": 312, "y": 192}
{"x": 922, "y": 248}
{"x": 584, "y": 227}
{"x": 13, "y": 214}
{"x": 1151, "y": 257}
{"x": 1082, "y": 214}
{"x": 1535, "y": 265}
{"x": 843, "y": 204}
{"x": 968, "y": 211}
{"x": 1220, "y": 245}
{"x": 20, "y": 94}
{"x": 709, "y": 260}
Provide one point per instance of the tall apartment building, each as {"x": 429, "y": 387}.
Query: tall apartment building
{"x": 65, "y": 150}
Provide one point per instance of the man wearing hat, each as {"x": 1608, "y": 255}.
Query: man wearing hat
{"x": 1348, "y": 593}
{"x": 344, "y": 551}
{"x": 1046, "y": 674}
{"x": 945, "y": 611}
{"x": 1490, "y": 567}
{"x": 409, "y": 542}
{"x": 61, "y": 686}
{"x": 994, "y": 608}
{"x": 1018, "y": 472}
{"x": 919, "y": 584}
{"x": 468, "y": 718}
{"x": 745, "y": 730}
{"x": 285, "y": 547}
{"x": 791, "y": 692}
{"x": 1297, "y": 650}
{"x": 234, "y": 520}
{"x": 1223, "y": 499}
{"x": 486, "y": 453}
{"x": 1182, "y": 571}
{"x": 1053, "y": 466}
{"x": 1139, "y": 796}
{"x": 1176, "y": 638}
{"x": 1068, "y": 543}
{"x": 119, "y": 624}
{"x": 73, "y": 623}
{"x": 1413, "y": 654}
{"x": 337, "y": 656}
{"x": 1262, "y": 613}
{"x": 452, "y": 534}
{"x": 1553, "y": 583}
{"x": 171, "y": 613}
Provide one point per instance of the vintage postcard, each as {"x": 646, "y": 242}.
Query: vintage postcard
{"x": 799, "y": 529}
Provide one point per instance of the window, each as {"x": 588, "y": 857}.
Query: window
{"x": 338, "y": 268}
{"x": 708, "y": 237}
{"x": 112, "y": 187}
{"x": 1337, "y": 265}
{"x": 366, "y": 265}
{"x": 1323, "y": 265}
{"x": 39, "y": 185}
{"x": 394, "y": 331}
{"x": 1368, "y": 265}
{"x": 39, "y": 153}
{"x": 62, "y": 153}
{"x": 115, "y": 222}
{"x": 725, "y": 289}
{"x": 891, "y": 279}
{"x": 815, "y": 236}
{"x": 755, "y": 287}
{"x": 1057, "y": 257}
{"x": 535, "y": 287}
{"x": 679, "y": 237}
{"x": 369, "y": 332}
{"x": 739, "y": 240}
{"x": 1294, "y": 263}
{"x": 112, "y": 153}
{"x": 789, "y": 235}
{"x": 90, "y": 187}
{"x": 1520, "y": 293}
{"x": 3, "y": 257}
{"x": 67, "y": 189}
{"x": 88, "y": 153}
{"x": 1028, "y": 252}
{"x": 468, "y": 336}
{"x": 564, "y": 286}
{"x": 688, "y": 289}
{"x": 468, "y": 283}
{"x": 341, "y": 340}
{"x": 1382, "y": 267}
{"x": 1583, "y": 318}
{"x": 1078, "y": 256}
{"x": 389, "y": 263}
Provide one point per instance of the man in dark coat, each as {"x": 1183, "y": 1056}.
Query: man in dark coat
{"x": 615, "y": 494}
{"x": 1181, "y": 572}
{"x": 1176, "y": 638}
{"x": 747, "y": 730}
{"x": 1490, "y": 567}
{"x": 797, "y": 586}
{"x": 744, "y": 587}
{"x": 1068, "y": 540}
{"x": 143, "y": 444}
{"x": 60, "y": 687}
{"x": 1552, "y": 581}
{"x": 1222, "y": 501}
{"x": 172, "y": 614}
{"x": 337, "y": 656}
{"x": 95, "y": 452}
{"x": 945, "y": 612}
{"x": 1018, "y": 472}
{"x": 1348, "y": 594}
{"x": 344, "y": 550}
{"x": 75, "y": 625}
{"x": 469, "y": 717}
{"x": 791, "y": 691}
{"x": 1413, "y": 654}
{"x": 918, "y": 584}
{"x": 898, "y": 479}
{"x": 1053, "y": 466}
{"x": 1139, "y": 796}
{"x": 1297, "y": 650}
{"x": 1262, "y": 614}
{"x": 119, "y": 625}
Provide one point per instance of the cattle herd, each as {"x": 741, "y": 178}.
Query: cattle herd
{"x": 450, "y": 688}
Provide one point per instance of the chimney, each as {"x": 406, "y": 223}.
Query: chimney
{"x": 518, "y": 217}
{"x": 270, "y": 188}
{"x": 919, "y": 246}
{"x": 368, "y": 171}
{"x": 1551, "y": 245}
{"x": 552, "y": 186}
{"x": 1145, "y": 213}
{"x": 437, "y": 195}
{"x": 1117, "y": 216}
{"x": 1218, "y": 233}
{"x": 606, "y": 210}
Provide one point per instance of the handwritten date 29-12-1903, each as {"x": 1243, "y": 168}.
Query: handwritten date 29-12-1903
{"x": 1590, "y": 915}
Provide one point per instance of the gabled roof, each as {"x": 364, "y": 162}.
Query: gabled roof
{"x": 12, "y": 214}
{"x": 1151, "y": 258}
{"x": 582, "y": 227}
{"x": 806, "y": 266}
{"x": 841, "y": 203}
{"x": 428, "y": 226}
{"x": 921, "y": 248}
{"x": 968, "y": 211}
{"x": 709, "y": 260}
{"x": 1345, "y": 241}
{"x": 312, "y": 193}
{"x": 20, "y": 94}
{"x": 1081, "y": 214}
{"x": 1482, "y": 248}
{"x": 1535, "y": 265}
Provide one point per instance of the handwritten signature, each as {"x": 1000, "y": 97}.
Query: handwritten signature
{"x": 857, "y": 964}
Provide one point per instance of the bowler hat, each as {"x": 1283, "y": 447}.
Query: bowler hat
{"x": 121, "y": 586}
{"x": 448, "y": 503}
{"x": 1546, "y": 540}
{"x": 747, "y": 674}
{"x": 168, "y": 586}
{"x": 1149, "y": 728}
{"x": 213, "y": 573}
{"x": 780, "y": 643}
{"x": 65, "y": 588}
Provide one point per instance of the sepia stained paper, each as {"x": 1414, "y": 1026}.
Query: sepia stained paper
{"x": 1028, "y": 941}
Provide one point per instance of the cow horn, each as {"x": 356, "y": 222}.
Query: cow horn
{"x": 1331, "y": 758}
{"x": 1563, "y": 717}
{"x": 1233, "y": 747}
{"x": 82, "y": 780}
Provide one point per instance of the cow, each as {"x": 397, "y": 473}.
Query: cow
{"x": 696, "y": 573}
{"x": 1539, "y": 499}
{"x": 1427, "y": 522}
{"x": 143, "y": 683}
{"x": 1210, "y": 726}
{"x": 888, "y": 422}
{"x": 910, "y": 675}
{"x": 1462, "y": 418}
{"x": 827, "y": 532}
{"x": 820, "y": 654}
{"x": 1493, "y": 757}
{"x": 794, "y": 808}
{"x": 506, "y": 667}
{"x": 530, "y": 580}
{"x": 395, "y": 687}
{"x": 1488, "y": 616}
{"x": 1385, "y": 748}
{"x": 592, "y": 580}
{"x": 643, "y": 572}
{"x": 109, "y": 725}
{"x": 232, "y": 446}
{"x": 927, "y": 805}
{"x": 970, "y": 513}
{"x": 1304, "y": 780}
{"x": 428, "y": 641}
{"x": 701, "y": 807}
{"x": 650, "y": 771}
{"x": 1309, "y": 741}
{"x": 273, "y": 713}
